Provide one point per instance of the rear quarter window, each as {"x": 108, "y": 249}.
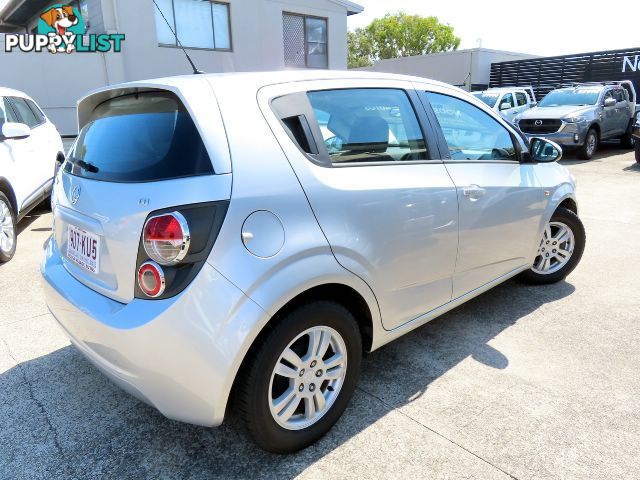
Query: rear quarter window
{"x": 141, "y": 137}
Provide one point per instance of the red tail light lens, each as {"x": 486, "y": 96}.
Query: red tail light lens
{"x": 151, "y": 279}
{"x": 166, "y": 238}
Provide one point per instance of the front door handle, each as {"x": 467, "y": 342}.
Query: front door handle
{"x": 473, "y": 192}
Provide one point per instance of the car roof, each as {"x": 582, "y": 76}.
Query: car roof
{"x": 256, "y": 80}
{"x": 503, "y": 89}
{"x": 10, "y": 92}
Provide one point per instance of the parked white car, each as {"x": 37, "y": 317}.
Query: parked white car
{"x": 508, "y": 102}
{"x": 30, "y": 152}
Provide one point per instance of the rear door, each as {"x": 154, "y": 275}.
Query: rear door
{"x": 610, "y": 117}
{"x": 370, "y": 170}
{"x": 623, "y": 109}
{"x": 522, "y": 102}
{"x": 500, "y": 199}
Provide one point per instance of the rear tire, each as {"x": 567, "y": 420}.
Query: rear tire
{"x": 8, "y": 231}
{"x": 551, "y": 266}
{"x": 627, "y": 141}
{"x": 590, "y": 146}
{"x": 286, "y": 412}
{"x": 637, "y": 151}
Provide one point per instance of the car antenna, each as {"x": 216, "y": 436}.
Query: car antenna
{"x": 193, "y": 65}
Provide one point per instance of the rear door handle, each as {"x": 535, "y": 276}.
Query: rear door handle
{"x": 473, "y": 192}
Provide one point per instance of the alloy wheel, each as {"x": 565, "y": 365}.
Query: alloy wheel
{"x": 555, "y": 250}
{"x": 7, "y": 229}
{"x": 307, "y": 378}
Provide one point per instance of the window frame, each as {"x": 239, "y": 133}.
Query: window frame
{"x": 303, "y": 107}
{"x": 306, "y": 42}
{"x": 12, "y": 101}
{"x": 175, "y": 29}
{"x": 445, "y": 154}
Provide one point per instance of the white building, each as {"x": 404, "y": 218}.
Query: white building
{"x": 469, "y": 69}
{"x": 220, "y": 35}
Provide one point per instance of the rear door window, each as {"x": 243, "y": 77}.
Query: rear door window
{"x": 36, "y": 111}
{"x": 141, "y": 137}
{"x": 24, "y": 112}
{"x": 368, "y": 125}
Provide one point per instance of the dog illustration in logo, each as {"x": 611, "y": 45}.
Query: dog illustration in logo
{"x": 61, "y": 19}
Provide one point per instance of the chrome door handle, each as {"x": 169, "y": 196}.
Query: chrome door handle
{"x": 473, "y": 192}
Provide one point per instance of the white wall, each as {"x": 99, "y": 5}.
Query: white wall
{"x": 256, "y": 31}
{"x": 449, "y": 67}
{"x": 56, "y": 82}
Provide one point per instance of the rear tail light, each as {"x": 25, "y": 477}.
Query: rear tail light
{"x": 151, "y": 279}
{"x": 174, "y": 246}
{"x": 166, "y": 238}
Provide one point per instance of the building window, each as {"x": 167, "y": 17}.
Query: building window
{"x": 305, "y": 41}
{"x": 198, "y": 24}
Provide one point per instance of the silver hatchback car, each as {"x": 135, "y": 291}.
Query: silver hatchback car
{"x": 243, "y": 239}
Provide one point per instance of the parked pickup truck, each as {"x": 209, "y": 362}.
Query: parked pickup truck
{"x": 582, "y": 115}
{"x": 508, "y": 102}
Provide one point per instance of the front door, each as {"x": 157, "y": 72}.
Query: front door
{"x": 386, "y": 205}
{"x": 507, "y": 107}
{"x": 41, "y": 164}
{"x": 500, "y": 199}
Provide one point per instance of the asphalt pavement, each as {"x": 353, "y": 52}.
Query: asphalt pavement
{"x": 521, "y": 382}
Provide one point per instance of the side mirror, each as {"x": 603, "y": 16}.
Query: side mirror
{"x": 543, "y": 150}
{"x": 505, "y": 106}
{"x": 610, "y": 102}
{"x": 15, "y": 131}
{"x": 534, "y": 104}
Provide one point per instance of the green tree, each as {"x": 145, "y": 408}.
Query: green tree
{"x": 399, "y": 35}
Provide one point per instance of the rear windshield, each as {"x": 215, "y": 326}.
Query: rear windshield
{"x": 141, "y": 137}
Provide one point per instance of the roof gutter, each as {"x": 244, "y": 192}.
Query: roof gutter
{"x": 352, "y": 8}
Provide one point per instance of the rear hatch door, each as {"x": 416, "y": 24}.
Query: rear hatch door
{"x": 138, "y": 152}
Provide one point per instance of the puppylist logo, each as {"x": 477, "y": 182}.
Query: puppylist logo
{"x": 61, "y": 29}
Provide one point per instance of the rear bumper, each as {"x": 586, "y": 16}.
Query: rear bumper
{"x": 180, "y": 355}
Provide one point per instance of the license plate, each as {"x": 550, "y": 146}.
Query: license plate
{"x": 83, "y": 249}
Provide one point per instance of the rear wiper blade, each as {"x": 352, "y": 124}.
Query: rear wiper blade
{"x": 85, "y": 166}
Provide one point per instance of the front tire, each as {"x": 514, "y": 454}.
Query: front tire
{"x": 301, "y": 377}
{"x": 8, "y": 231}
{"x": 637, "y": 151}
{"x": 560, "y": 249}
{"x": 590, "y": 146}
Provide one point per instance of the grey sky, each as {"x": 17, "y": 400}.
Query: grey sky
{"x": 542, "y": 27}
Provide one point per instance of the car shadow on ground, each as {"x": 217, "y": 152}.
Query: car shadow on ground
{"x": 33, "y": 215}
{"x": 65, "y": 419}
{"x": 605, "y": 150}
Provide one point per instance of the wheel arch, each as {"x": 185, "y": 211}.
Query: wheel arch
{"x": 344, "y": 294}
{"x": 570, "y": 204}
{"x": 5, "y": 187}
